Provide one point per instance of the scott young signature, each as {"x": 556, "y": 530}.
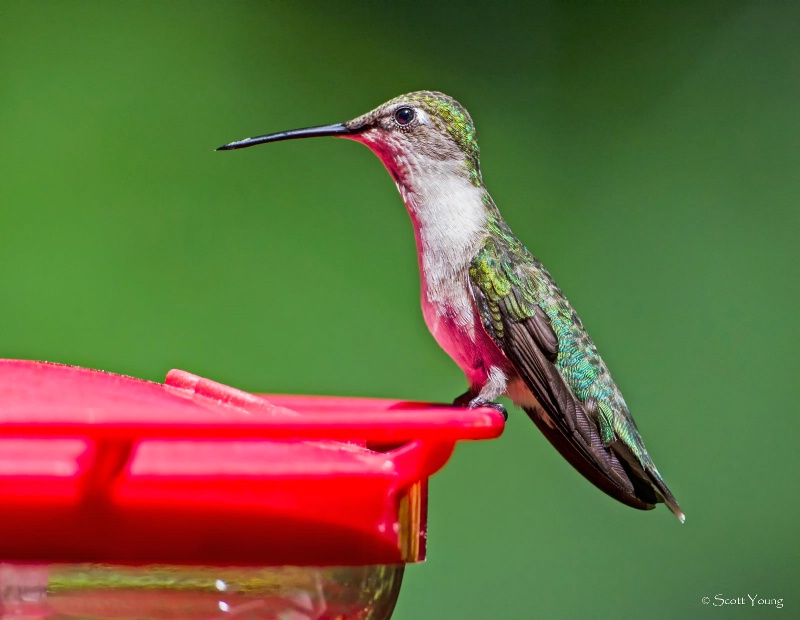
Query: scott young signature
{"x": 750, "y": 600}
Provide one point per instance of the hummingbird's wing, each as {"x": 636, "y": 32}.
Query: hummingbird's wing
{"x": 581, "y": 411}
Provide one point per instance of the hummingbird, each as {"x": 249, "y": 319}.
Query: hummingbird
{"x": 491, "y": 304}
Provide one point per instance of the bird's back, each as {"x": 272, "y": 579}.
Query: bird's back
{"x": 579, "y": 407}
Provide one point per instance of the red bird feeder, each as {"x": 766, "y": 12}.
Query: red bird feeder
{"x": 122, "y": 498}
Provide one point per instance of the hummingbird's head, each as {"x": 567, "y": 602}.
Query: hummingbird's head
{"x": 420, "y": 131}
{"x": 413, "y": 134}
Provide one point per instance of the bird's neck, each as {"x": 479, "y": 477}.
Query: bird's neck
{"x": 449, "y": 215}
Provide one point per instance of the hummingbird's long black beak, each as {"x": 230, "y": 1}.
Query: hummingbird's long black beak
{"x": 309, "y": 132}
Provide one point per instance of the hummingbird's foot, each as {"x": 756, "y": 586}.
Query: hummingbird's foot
{"x": 473, "y": 402}
{"x": 481, "y": 402}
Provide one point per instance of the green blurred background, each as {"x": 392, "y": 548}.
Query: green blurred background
{"x": 648, "y": 155}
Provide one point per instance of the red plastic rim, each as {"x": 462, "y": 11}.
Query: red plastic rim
{"x": 98, "y": 467}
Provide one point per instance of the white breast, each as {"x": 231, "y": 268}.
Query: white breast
{"x": 449, "y": 223}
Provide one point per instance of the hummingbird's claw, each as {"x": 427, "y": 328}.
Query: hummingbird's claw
{"x": 470, "y": 402}
{"x": 480, "y": 402}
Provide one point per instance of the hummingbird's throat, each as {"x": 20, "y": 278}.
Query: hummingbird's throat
{"x": 446, "y": 207}
{"x": 415, "y": 161}
{"x": 389, "y": 150}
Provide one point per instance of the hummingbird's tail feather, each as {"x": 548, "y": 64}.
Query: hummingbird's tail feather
{"x": 600, "y": 467}
{"x": 614, "y": 470}
{"x": 665, "y": 494}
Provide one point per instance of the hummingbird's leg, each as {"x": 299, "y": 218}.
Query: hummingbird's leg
{"x": 464, "y": 400}
{"x": 494, "y": 384}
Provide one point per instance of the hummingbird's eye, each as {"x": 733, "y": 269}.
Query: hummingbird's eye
{"x": 403, "y": 116}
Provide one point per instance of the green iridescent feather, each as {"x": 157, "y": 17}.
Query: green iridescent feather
{"x": 504, "y": 270}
